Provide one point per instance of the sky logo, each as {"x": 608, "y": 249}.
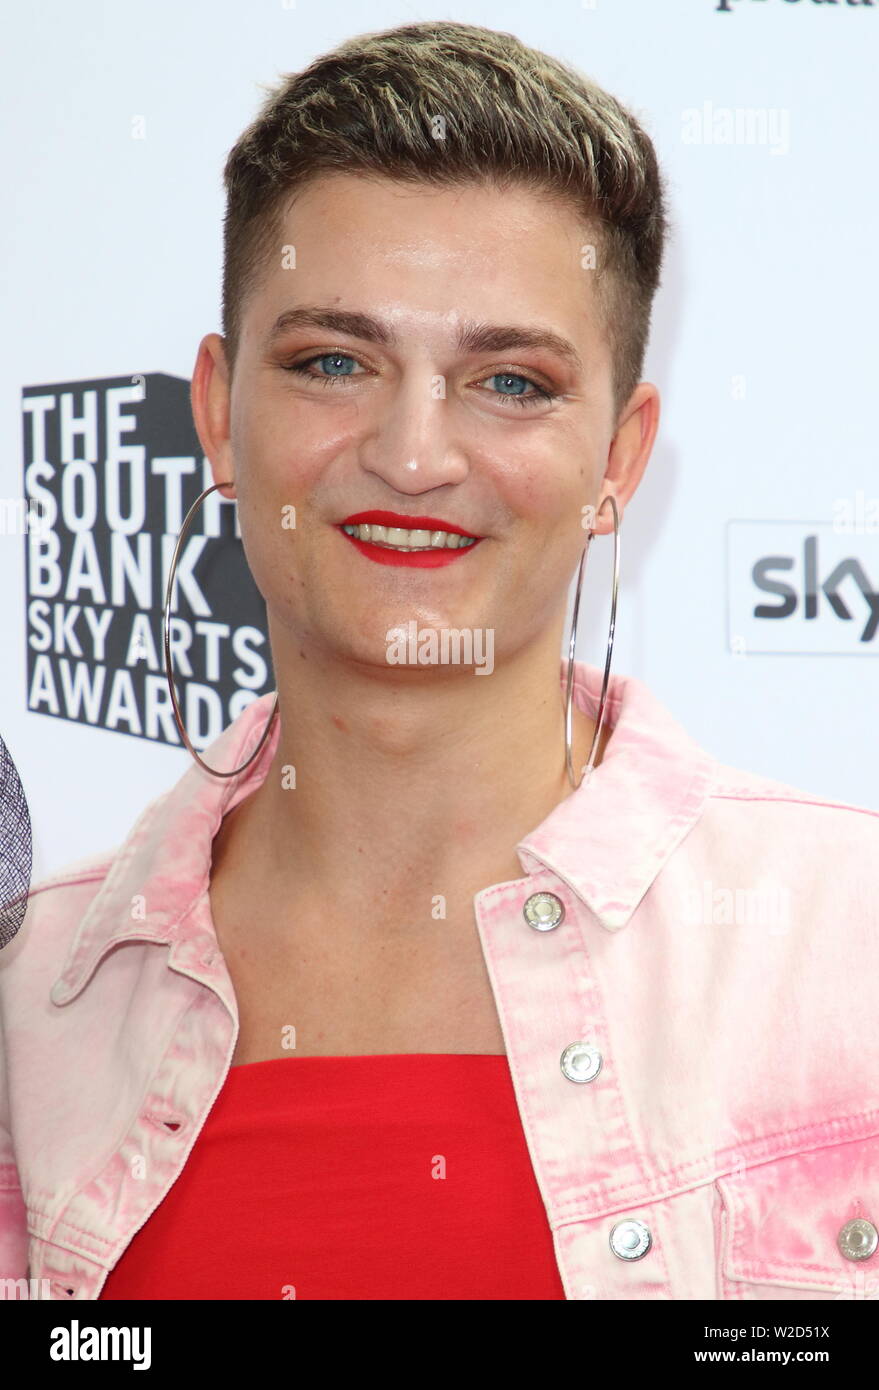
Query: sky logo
{"x": 802, "y": 587}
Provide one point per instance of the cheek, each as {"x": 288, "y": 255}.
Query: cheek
{"x": 548, "y": 497}
{"x": 276, "y": 467}
{"x": 260, "y": 528}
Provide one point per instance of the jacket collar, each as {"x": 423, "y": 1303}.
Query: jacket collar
{"x": 607, "y": 840}
{"x": 162, "y": 870}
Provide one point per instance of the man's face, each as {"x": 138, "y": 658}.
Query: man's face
{"x": 427, "y": 423}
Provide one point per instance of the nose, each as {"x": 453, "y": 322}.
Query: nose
{"x": 414, "y": 445}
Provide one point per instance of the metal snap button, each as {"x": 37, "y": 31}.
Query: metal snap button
{"x": 543, "y": 911}
{"x": 580, "y": 1061}
{"x": 858, "y": 1239}
{"x": 630, "y": 1239}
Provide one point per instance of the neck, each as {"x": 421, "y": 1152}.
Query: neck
{"x": 409, "y": 777}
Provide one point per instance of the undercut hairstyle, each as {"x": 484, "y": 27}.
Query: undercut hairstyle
{"x": 449, "y": 104}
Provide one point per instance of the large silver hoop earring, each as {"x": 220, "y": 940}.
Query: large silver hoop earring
{"x": 587, "y": 769}
{"x": 169, "y": 674}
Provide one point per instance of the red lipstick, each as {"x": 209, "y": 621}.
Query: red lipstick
{"x": 420, "y": 559}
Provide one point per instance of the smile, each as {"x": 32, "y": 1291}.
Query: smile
{"x": 422, "y": 542}
{"x": 396, "y": 538}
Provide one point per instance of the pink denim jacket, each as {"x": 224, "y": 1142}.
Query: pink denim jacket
{"x": 686, "y": 977}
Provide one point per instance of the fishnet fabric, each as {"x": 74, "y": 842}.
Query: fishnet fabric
{"x": 16, "y": 848}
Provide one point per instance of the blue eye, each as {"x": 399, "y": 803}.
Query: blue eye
{"x": 507, "y": 377}
{"x": 341, "y": 367}
{"x": 517, "y": 397}
{"x": 332, "y": 357}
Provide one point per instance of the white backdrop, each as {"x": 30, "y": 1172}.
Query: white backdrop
{"x": 118, "y": 119}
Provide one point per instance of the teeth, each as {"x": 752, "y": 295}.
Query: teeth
{"x": 396, "y": 538}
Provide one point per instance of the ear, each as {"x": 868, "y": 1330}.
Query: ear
{"x": 209, "y": 397}
{"x": 629, "y": 454}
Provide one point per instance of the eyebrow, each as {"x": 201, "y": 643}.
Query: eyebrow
{"x": 472, "y": 336}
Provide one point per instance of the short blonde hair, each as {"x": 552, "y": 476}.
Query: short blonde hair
{"x": 507, "y": 114}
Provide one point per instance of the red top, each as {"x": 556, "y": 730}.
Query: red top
{"x": 403, "y": 1176}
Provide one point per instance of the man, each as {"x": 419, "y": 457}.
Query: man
{"x": 441, "y": 251}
